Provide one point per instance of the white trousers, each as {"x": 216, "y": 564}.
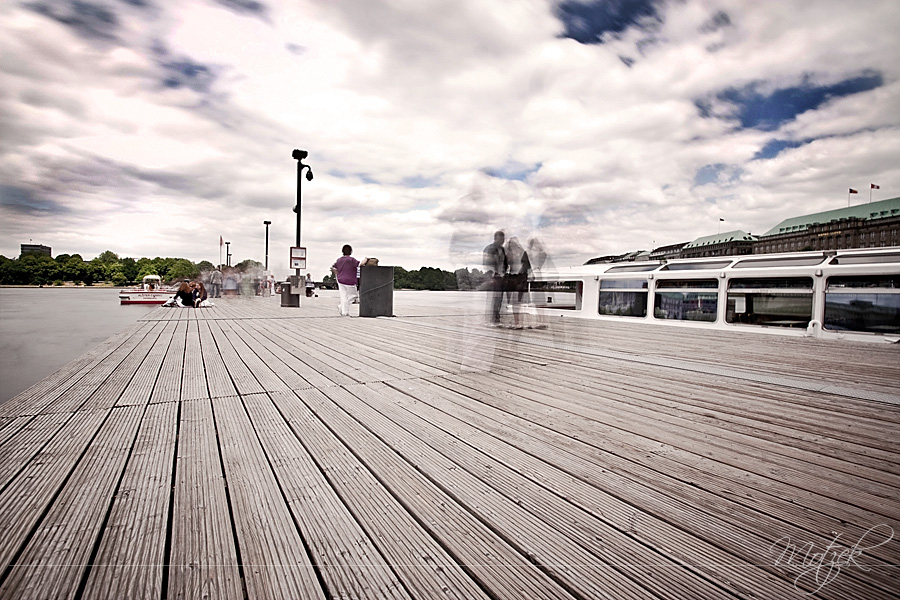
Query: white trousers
{"x": 348, "y": 294}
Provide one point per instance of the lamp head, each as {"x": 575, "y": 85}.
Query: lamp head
{"x": 267, "y": 222}
{"x": 299, "y": 154}
{"x": 309, "y": 175}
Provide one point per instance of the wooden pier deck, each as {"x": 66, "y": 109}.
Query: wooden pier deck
{"x": 254, "y": 451}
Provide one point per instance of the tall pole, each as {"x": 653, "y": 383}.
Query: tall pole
{"x": 267, "y": 223}
{"x": 227, "y": 254}
{"x": 299, "y": 155}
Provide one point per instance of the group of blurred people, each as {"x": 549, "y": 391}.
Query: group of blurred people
{"x": 509, "y": 267}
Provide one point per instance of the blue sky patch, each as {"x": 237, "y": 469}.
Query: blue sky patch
{"x": 774, "y": 147}
{"x": 418, "y": 182}
{"x": 754, "y": 109}
{"x": 588, "y": 22}
{"x": 717, "y": 173}
{"x": 512, "y": 170}
{"x": 89, "y": 20}
{"x": 187, "y": 73}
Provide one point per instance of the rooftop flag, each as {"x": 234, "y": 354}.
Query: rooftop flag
{"x": 875, "y": 187}
{"x": 852, "y": 191}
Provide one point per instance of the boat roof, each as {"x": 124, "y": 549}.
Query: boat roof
{"x": 157, "y": 277}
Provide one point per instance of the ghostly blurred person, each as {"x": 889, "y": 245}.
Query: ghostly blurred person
{"x": 517, "y": 280}
{"x": 496, "y": 265}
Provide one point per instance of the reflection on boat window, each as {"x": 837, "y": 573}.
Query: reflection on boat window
{"x": 633, "y": 268}
{"x": 697, "y": 266}
{"x": 788, "y": 261}
{"x": 771, "y": 301}
{"x": 623, "y": 303}
{"x": 866, "y": 303}
{"x": 686, "y": 300}
{"x": 862, "y": 259}
{"x": 561, "y": 295}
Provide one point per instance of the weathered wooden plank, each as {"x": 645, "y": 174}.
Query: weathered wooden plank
{"x": 488, "y": 558}
{"x": 28, "y": 441}
{"x": 572, "y": 545}
{"x": 168, "y": 384}
{"x": 140, "y": 388}
{"x": 193, "y": 375}
{"x": 24, "y": 501}
{"x": 55, "y": 558}
{"x": 681, "y": 503}
{"x": 218, "y": 380}
{"x": 204, "y": 561}
{"x": 350, "y": 564}
{"x": 274, "y": 559}
{"x": 130, "y": 557}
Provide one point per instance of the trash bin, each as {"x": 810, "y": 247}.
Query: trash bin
{"x": 289, "y": 297}
{"x": 376, "y": 291}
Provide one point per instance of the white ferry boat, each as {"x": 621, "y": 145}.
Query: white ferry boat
{"x": 852, "y": 294}
{"x": 151, "y": 292}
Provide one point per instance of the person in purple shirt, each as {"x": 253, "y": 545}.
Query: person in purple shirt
{"x": 345, "y": 269}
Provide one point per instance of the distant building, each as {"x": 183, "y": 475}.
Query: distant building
{"x": 670, "y": 252}
{"x": 34, "y": 249}
{"x": 730, "y": 243}
{"x": 872, "y": 225}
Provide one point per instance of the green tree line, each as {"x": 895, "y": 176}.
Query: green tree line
{"x": 40, "y": 269}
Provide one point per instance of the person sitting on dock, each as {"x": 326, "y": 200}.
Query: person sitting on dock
{"x": 185, "y": 295}
{"x": 200, "y": 294}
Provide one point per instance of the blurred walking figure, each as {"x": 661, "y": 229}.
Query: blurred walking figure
{"x": 537, "y": 258}
{"x": 496, "y": 267}
{"x": 345, "y": 271}
{"x": 517, "y": 280}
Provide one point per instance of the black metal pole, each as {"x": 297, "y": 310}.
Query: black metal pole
{"x": 299, "y": 178}
{"x": 299, "y": 155}
{"x": 267, "y": 223}
{"x": 227, "y": 254}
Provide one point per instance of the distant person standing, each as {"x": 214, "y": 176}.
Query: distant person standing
{"x": 345, "y": 270}
{"x": 215, "y": 284}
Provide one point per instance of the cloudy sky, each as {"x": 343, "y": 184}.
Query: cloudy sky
{"x": 153, "y": 127}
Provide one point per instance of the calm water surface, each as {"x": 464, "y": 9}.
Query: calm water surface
{"x": 43, "y": 329}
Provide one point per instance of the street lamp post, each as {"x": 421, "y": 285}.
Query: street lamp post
{"x": 227, "y": 254}
{"x": 267, "y": 223}
{"x": 299, "y": 155}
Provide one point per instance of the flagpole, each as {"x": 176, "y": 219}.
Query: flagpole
{"x": 870, "y": 194}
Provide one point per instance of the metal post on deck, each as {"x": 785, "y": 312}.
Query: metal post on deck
{"x": 299, "y": 155}
{"x": 267, "y": 223}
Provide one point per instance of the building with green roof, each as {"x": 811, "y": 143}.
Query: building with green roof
{"x": 872, "y": 225}
{"x": 729, "y": 243}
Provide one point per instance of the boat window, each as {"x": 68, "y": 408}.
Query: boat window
{"x": 770, "y": 301}
{"x": 861, "y": 259}
{"x": 866, "y": 303}
{"x": 623, "y": 297}
{"x": 705, "y": 284}
{"x": 696, "y": 266}
{"x": 793, "y": 261}
{"x": 561, "y": 295}
{"x": 686, "y": 305}
{"x": 633, "y": 268}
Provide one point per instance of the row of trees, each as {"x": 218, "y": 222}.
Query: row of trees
{"x": 40, "y": 269}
